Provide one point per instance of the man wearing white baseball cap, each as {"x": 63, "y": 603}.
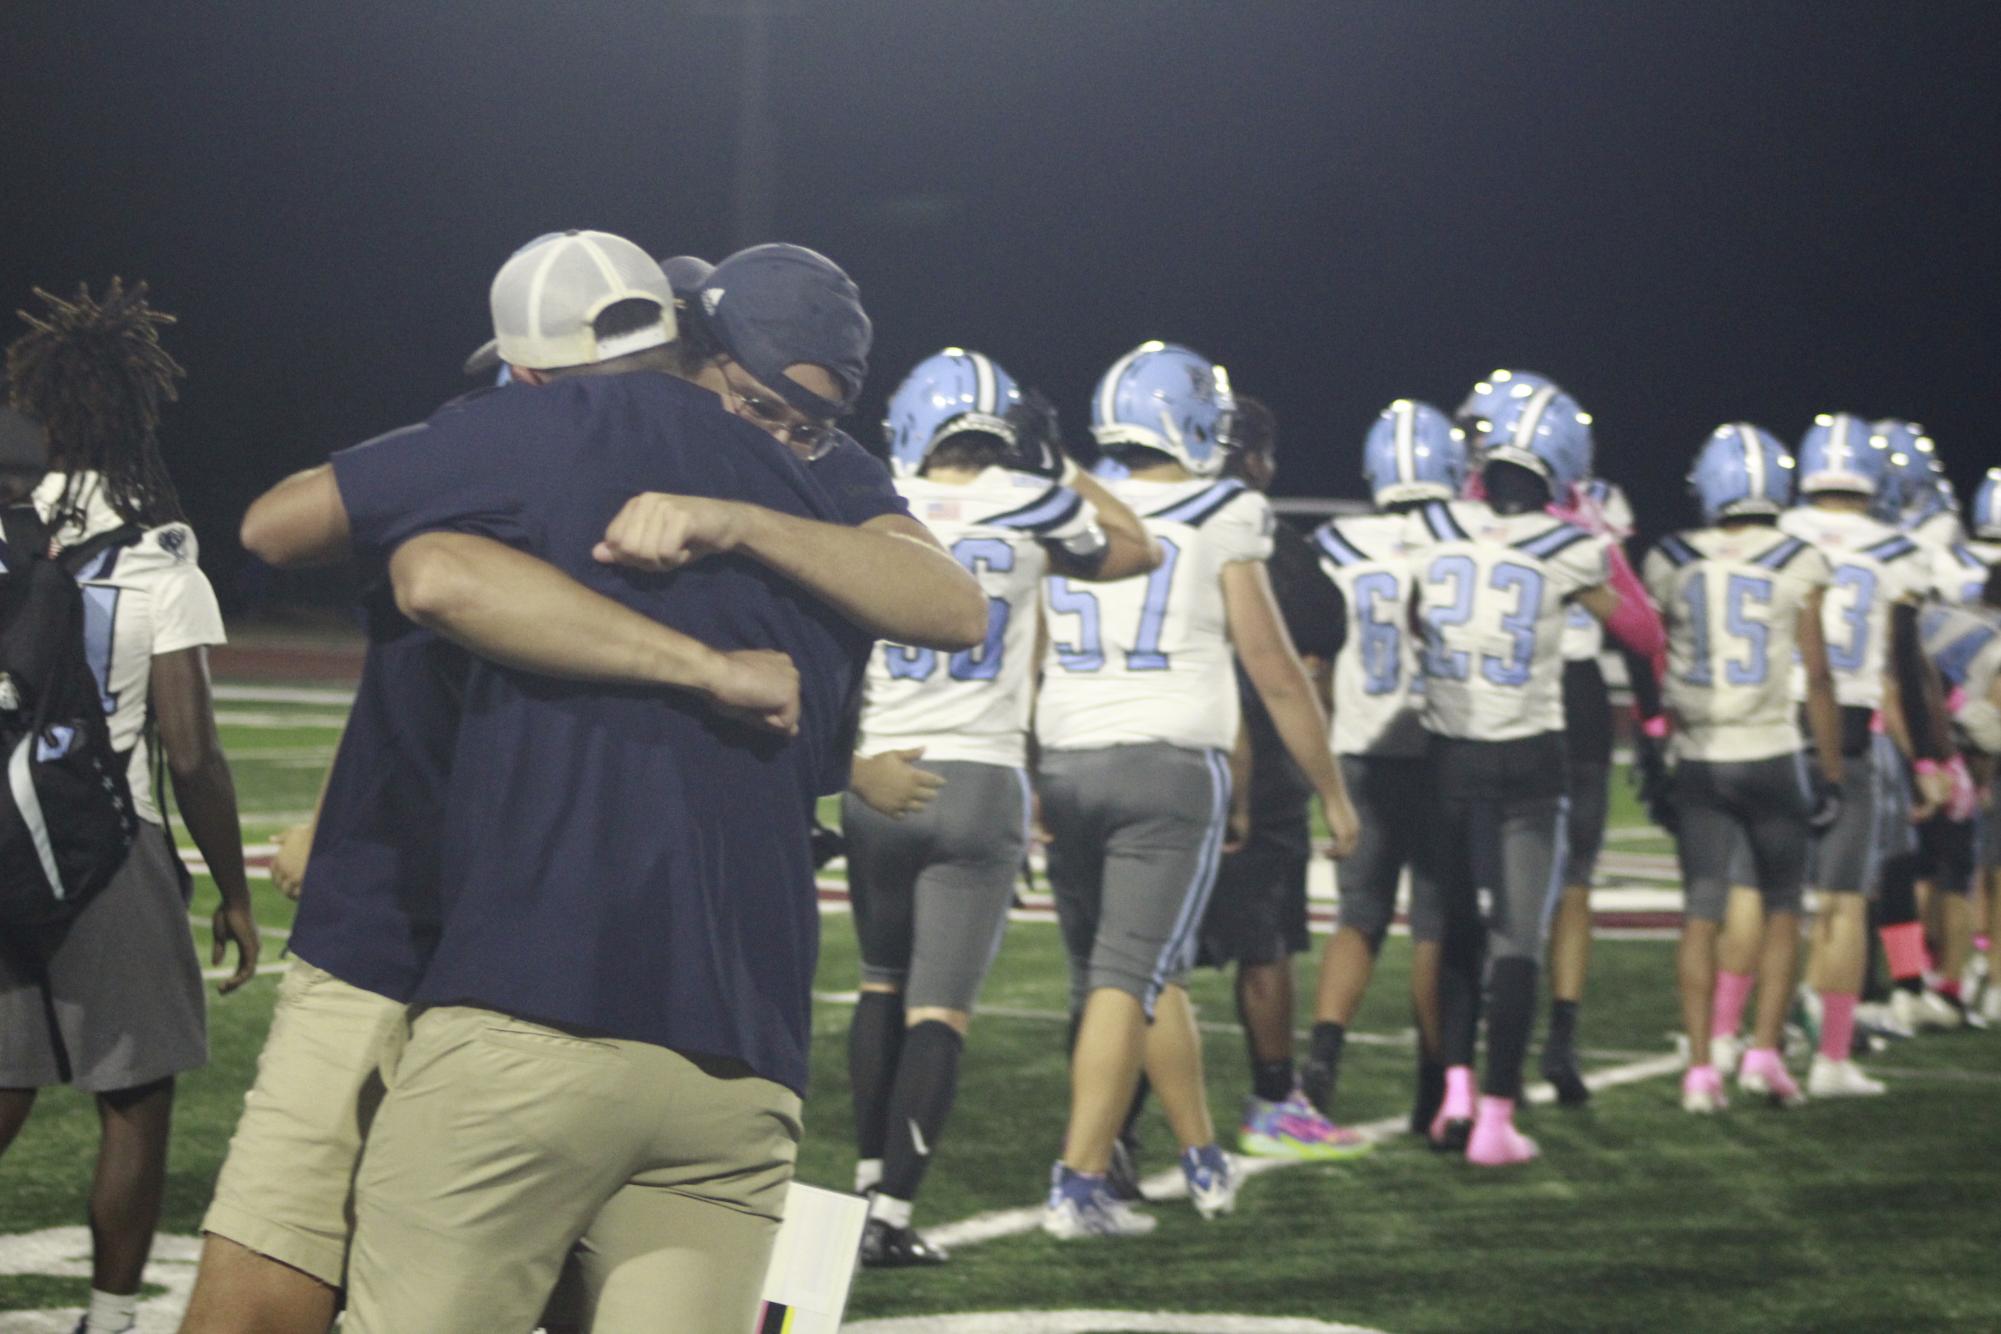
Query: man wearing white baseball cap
{"x": 531, "y": 475}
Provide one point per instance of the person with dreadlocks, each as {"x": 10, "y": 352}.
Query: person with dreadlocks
{"x": 110, "y": 1000}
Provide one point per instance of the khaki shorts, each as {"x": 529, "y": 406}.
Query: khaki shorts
{"x": 287, "y": 1187}
{"x": 504, "y": 1144}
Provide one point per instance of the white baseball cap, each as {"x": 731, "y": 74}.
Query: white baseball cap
{"x": 545, "y": 298}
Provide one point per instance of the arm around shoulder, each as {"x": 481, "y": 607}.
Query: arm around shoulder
{"x": 300, "y": 522}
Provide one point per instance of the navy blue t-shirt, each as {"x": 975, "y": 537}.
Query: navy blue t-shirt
{"x": 622, "y": 861}
{"x": 368, "y": 912}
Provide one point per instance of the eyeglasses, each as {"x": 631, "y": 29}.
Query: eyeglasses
{"x": 811, "y": 439}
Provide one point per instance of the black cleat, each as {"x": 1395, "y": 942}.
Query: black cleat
{"x": 886, "y": 1246}
{"x": 1122, "y": 1173}
{"x": 1452, "y": 1136}
{"x": 1560, "y": 1069}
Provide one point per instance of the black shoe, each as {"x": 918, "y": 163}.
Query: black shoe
{"x": 886, "y": 1246}
{"x": 1457, "y": 1132}
{"x": 1122, "y": 1173}
{"x": 1560, "y": 1069}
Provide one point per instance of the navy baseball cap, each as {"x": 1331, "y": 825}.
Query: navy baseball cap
{"x": 774, "y": 306}
{"x": 24, "y": 445}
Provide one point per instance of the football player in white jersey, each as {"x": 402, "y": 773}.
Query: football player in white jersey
{"x": 932, "y": 872}
{"x": 1137, "y": 714}
{"x": 1919, "y": 500}
{"x": 1411, "y": 456}
{"x": 1963, "y": 644}
{"x": 1869, "y": 621}
{"x": 1984, "y": 518}
{"x": 110, "y": 1001}
{"x": 1740, "y": 598}
{"x": 1493, "y": 581}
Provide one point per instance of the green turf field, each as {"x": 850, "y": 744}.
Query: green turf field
{"x": 1860, "y": 1215}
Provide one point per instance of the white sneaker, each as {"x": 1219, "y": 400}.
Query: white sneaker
{"x": 1725, "y": 1050}
{"x": 1925, "y": 1010}
{"x": 1990, "y": 1005}
{"x": 1083, "y": 1207}
{"x": 1885, "y": 1017}
{"x": 1212, "y": 1180}
{"x": 1841, "y": 1079}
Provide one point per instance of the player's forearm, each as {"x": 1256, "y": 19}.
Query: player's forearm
{"x": 301, "y": 522}
{"x": 1917, "y": 690}
{"x": 1823, "y": 720}
{"x": 890, "y": 584}
{"x": 514, "y": 609}
{"x": 206, "y": 794}
{"x": 1130, "y": 548}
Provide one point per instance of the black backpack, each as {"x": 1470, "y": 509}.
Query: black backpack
{"x": 66, "y": 817}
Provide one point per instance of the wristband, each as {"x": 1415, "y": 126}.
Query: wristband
{"x": 1655, "y": 727}
{"x": 1926, "y": 768}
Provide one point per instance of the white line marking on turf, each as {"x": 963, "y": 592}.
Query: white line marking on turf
{"x": 1092, "y": 1322}
{"x": 283, "y": 695}
{"x": 1169, "y": 1185}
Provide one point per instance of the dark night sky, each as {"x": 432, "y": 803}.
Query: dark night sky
{"x": 1688, "y": 212}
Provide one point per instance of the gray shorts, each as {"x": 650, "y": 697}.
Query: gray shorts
{"x": 1392, "y": 803}
{"x": 1847, "y": 854}
{"x": 1590, "y": 790}
{"x": 931, "y": 890}
{"x": 1497, "y": 812}
{"x": 1896, "y": 793}
{"x": 1759, "y": 806}
{"x": 1136, "y": 833}
{"x": 111, "y": 999}
{"x": 1988, "y": 856}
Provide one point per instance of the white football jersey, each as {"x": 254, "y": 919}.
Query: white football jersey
{"x": 1731, "y": 598}
{"x": 1959, "y": 572}
{"x": 974, "y": 704}
{"x": 1965, "y": 646}
{"x": 1492, "y": 592}
{"x": 1938, "y": 531}
{"x": 139, "y": 601}
{"x": 1148, "y": 658}
{"x": 1875, "y": 567}
{"x": 1377, "y": 689}
{"x": 1601, "y": 507}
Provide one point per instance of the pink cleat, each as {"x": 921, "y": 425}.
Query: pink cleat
{"x": 1453, "y": 1125}
{"x": 1702, "y": 1090}
{"x": 1764, "y": 1074}
{"x": 1495, "y": 1142}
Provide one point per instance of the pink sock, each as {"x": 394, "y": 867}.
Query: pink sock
{"x": 1904, "y": 947}
{"x": 1732, "y": 990}
{"x": 1497, "y": 1109}
{"x": 1837, "y": 1025}
{"x": 1459, "y": 1088}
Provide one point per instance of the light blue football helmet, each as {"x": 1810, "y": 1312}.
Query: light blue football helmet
{"x": 947, "y": 393}
{"x": 1986, "y": 517}
{"x": 1741, "y": 470}
{"x": 1166, "y": 397}
{"x": 1491, "y": 393}
{"x": 1547, "y": 433}
{"x": 1413, "y": 453}
{"x": 1909, "y": 483}
{"x": 1840, "y": 453}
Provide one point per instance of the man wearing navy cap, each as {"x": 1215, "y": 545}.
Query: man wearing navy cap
{"x": 542, "y": 775}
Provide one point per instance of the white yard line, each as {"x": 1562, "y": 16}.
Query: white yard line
{"x": 1168, "y": 1185}
{"x": 240, "y": 694}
